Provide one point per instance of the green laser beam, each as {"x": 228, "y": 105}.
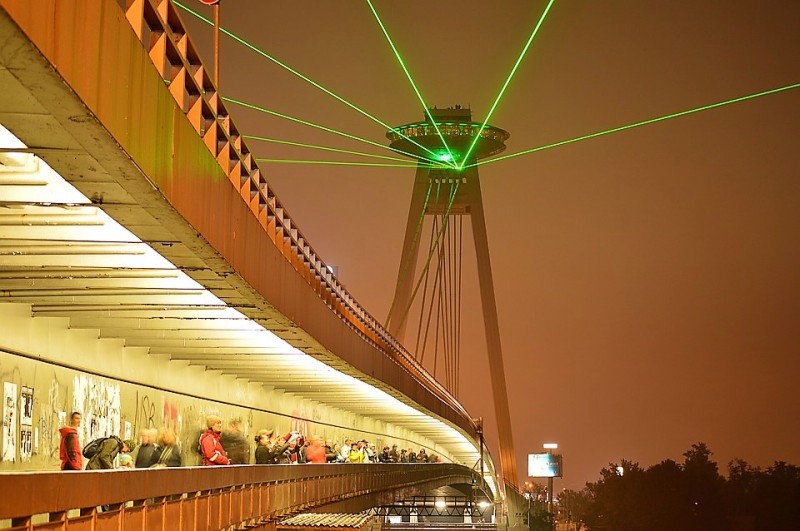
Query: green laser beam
{"x": 300, "y": 75}
{"x": 322, "y": 148}
{"x": 336, "y": 163}
{"x": 410, "y": 79}
{"x": 321, "y": 127}
{"x": 639, "y": 124}
{"x": 505, "y": 85}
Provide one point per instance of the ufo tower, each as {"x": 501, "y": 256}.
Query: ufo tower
{"x": 446, "y": 187}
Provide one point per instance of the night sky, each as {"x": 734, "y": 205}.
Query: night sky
{"x": 648, "y": 281}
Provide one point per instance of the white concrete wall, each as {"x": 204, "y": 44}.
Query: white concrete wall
{"x": 43, "y": 353}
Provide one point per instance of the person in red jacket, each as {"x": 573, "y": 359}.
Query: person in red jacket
{"x": 211, "y": 448}
{"x": 70, "y": 449}
{"x": 315, "y": 451}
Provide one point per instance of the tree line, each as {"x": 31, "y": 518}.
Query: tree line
{"x": 689, "y": 496}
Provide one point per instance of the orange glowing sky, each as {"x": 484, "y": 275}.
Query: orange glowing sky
{"x": 648, "y": 282}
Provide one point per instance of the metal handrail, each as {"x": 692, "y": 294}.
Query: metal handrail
{"x": 209, "y": 497}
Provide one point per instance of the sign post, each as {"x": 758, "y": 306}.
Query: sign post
{"x": 548, "y": 466}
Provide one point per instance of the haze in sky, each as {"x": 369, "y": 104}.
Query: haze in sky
{"x": 647, "y": 281}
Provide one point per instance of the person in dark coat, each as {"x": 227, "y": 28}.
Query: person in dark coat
{"x": 263, "y": 450}
{"x": 235, "y": 444}
{"x": 385, "y": 456}
{"x": 148, "y": 453}
{"x": 394, "y": 455}
{"x": 167, "y": 452}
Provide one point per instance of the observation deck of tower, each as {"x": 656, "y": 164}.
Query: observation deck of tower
{"x": 456, "y": 126}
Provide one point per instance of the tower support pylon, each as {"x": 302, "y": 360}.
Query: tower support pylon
{"x": 466, "y": 201}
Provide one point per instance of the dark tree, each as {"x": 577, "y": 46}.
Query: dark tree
{"x": 704, "y": 487}
{"x": 691, "y": 496}
{"x": 575, "y": 506}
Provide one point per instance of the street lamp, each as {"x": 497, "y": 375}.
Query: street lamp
{"x": 550, "y": 447}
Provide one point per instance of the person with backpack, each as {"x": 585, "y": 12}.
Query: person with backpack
{"x": 101, "y": 452}
{"x": 70, "y": 449}
{"x": 210, "y": 448}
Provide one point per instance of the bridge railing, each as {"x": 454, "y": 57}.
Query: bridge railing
{"x": 193, "y": 498}
{"x": 161, "y": 31}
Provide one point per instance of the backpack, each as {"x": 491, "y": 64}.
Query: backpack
{"x": 93, "y": 447}
{"x": 200, "y": 442}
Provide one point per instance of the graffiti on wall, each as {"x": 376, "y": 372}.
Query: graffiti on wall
{"x": 45, "y": 394}
{"x": 26, "y": 407}
{"x": 9, "y": 422}
{"x": 171, "y": 416}
{"x": 299, "y": 424}
{"x": 145, "y": 413}
{"x": 26, "y": 423}
{"x": 99, "y": 402}
{"x": 46, "y": 438}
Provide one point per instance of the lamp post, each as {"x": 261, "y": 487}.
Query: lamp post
{"x": 215, "y": 6}
{"x": 550, "y": 447}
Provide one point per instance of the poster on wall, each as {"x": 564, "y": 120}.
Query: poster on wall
{"x": 98, "y": 400}
{"x": 25, "y": 443}
{"x": 128, "y": 430}
{"x": 9, "y": 421}
{"x": 26, "y": 408}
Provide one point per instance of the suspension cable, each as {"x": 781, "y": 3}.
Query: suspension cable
{"x": 434, "y": 227}
{"x": 443, "y": 309}
{"x": 458, "y": 303}
{"x": 430, "y": 255}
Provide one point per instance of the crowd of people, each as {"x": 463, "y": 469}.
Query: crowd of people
{"x": 155, "y": 449}
{"x": 215, "y": 446}
{"x": 293, "y": 448}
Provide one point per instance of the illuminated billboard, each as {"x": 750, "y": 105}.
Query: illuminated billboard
{"x": 544, "y": 466}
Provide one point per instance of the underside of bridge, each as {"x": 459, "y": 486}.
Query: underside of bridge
{"x": 135, "y": 224}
